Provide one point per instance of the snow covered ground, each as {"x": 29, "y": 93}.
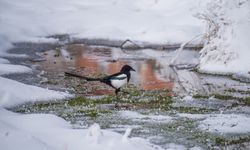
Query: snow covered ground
{"x": 152, "y": 21}
{"x": 49, "y": 132}
{"x": 221, "y": 123}
{"x": 227, "y": 48}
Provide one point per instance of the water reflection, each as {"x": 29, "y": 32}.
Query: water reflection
{"x": 95, "y": 60}
{"x": 152, "y": 66}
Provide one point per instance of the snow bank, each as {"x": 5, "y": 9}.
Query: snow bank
{"x": 14, "y": 93}
{"x": 47, "y": 132}
{"x": 142, "y": 20}
{"x": 227, "y": 49}
{"x": 10, "y": 68}
{"x": 227, "y": 123}
{"x": 4, "y": 61}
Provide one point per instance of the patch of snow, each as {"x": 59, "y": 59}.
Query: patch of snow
{"x": 137, "y": 116}
{"x": 14, "y": 93}
{"x": 226, "y": 123}
{"x": 196, "y": 148}
{"x": 227, "y": 47}
{"x": 190, "y": 81}
{"x": 4, "y": 61}
{"x": 47, "y": 132}
{"x": 193, "y": 116}
{"x": 10, "y": 68}
{"x": 158, "y": 21}
{"x": 222, "y": 123}
{"x": 187, "y": 98}
{"x": 173, "y": 146}
{"x": 244, "y": 77}
{"x": 127, "y": 133}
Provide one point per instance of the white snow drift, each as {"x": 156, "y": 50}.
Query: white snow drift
{"x": 227, "y": 49}
{"x": 49, "y": 132}
{"x": 14, "y": 93}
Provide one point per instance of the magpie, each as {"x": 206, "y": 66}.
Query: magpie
{"x": 116, "y": 80}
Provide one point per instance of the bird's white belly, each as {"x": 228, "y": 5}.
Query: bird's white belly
{"x": 119, "y": 83}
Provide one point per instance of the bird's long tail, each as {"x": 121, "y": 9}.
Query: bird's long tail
{"x": 82, "y": 77}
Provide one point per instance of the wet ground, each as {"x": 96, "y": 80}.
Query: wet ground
{"x": 165, "y": 104}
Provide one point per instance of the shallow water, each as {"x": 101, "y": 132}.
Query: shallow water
{"x": 159, "y": 95}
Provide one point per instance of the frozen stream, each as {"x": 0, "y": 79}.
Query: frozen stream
{"x": 174, "y": 107}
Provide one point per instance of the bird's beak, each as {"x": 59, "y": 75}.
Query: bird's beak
{"x": 133, "y": 70}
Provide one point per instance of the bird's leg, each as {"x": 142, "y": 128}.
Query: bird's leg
{"x": 116, "y": 91}
{"x": 117, "y": 97}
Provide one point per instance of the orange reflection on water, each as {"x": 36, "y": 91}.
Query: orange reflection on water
{"x": 84, "y": 61}
{"x": 115, "y": 67}
{"x": 149, "y": 81}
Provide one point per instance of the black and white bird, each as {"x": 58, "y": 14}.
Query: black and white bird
{"x": 116, "y": 80}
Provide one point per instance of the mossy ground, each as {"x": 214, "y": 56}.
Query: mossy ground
{"x": 242, "y": 100}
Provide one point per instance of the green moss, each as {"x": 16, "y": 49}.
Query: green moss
{"x": 246, "y": 101}
{"x": 224, "y": 97}
{"x": 89, "y": 102}
{"x": 220, "y": 141}
{"x": 238, "y": 91}
{"x": 91, "y": 113}
{"x": 78, "y": 101}
{"x": 106, "y": 100}
{"x": 231, "y": 141}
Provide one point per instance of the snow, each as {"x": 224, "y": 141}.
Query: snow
{"x": 221, "y": 123}
{"x": 33, "y": 20}
{"x": 227, "y": 48}
{"x": 152, "y": 21}
{"x": 173, "y": 146}
{"x": 10, "y": 68}
{"x": 47, "y": 132}
{"x": 4, "y": 61}
{"x": 193, "y": 116}
{"x": 14, "y": 93}
{"x": 147, "y": 118}
{"x": 226, "y": 123}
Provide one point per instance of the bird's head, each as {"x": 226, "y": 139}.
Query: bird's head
{"x": 127, "y": 68}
